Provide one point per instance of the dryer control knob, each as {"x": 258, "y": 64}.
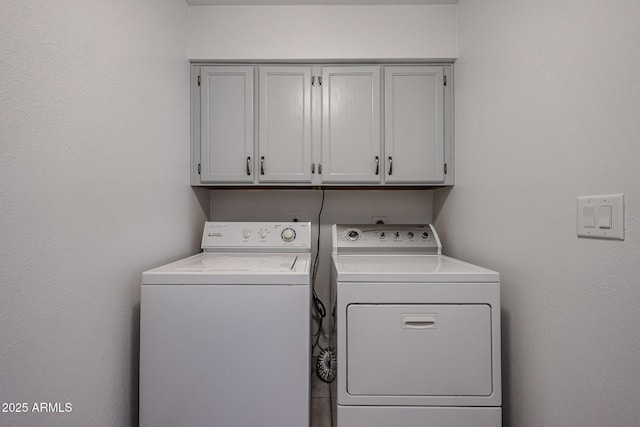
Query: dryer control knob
{"x": 353, "y": 235}
{"x": 288, "y": 234}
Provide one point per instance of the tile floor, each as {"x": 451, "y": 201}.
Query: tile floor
{"x": 323, "y": 409}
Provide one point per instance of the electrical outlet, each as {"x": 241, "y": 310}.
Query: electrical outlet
{"x": 379, "y": 219}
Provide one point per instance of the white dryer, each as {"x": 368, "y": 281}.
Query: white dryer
{"x": 418, "y": 333}
{"x": 225, "y": 334}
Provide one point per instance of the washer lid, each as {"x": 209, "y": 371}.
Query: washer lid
{"x": 409, "y": 268}
{"x": 208, "y": 268}
{"x": 240, "y": 262}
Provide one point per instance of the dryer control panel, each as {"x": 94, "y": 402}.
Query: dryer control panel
{"x": 398, "y": 238}
{"x": 243, "y": 236}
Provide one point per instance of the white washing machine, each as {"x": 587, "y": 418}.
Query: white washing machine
{"x": 418, "y": 333}
{"x": 225, "y": 334}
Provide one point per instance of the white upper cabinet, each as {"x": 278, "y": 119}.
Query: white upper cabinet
{"x": 351, "y": 125}
{"x": 226, "y": 124}
{"x": 414, "y": 125}
{"x": 329, "y": 125}
{"x": 284, "y": 139}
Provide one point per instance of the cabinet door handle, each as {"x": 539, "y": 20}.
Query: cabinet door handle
{"x": 377, "y": 165}
{"x": 248, "y": 165}
{"x": 390, "y": 165}
{"x": 262, "y": 165}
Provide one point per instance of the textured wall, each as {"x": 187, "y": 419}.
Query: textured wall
{"x": 547, "y": 109}
{"x": 94, "y": 188}
{"x": 322, "y": 32}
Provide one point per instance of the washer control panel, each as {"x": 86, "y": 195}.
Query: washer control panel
{"x": 386, "y": 238}
{"x": 265, "y": 235}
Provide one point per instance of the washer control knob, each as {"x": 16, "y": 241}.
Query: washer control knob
{"x": 396, "y": 235}
{"x": 425, "y": 235}
{"x": 263, "y": 233}
{"x": 288, "y": 234}
{"x": 382, "y": 235}
{"x": 246, "y": 233}
{"x": 410, "y": 235}
{"x": 353, "y": 235}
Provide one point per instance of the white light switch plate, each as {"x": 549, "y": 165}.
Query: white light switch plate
{"x": 601, "y": 216}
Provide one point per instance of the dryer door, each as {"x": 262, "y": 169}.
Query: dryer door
{"x": 419, "y": 350}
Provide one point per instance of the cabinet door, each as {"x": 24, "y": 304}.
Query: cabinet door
{"x": 226, "y": 124}
{"x": 351, "y": 125}
{"x": 414, "y": 122}
{"x": 285, "y": 124}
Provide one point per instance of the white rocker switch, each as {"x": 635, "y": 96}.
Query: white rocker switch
{"x": 589, "y": 217}
{"x": 604, "y": 216}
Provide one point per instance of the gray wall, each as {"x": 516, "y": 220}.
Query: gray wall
{"x": 94, "y": 189}
{"x": 311, "y": 32}
{"x": 547, "y": 109}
